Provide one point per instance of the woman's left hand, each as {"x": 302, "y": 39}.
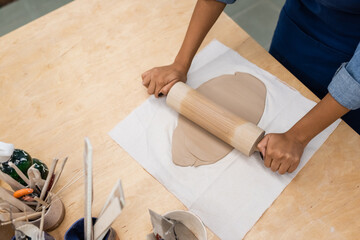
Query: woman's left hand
{"x": 282, "y": 152}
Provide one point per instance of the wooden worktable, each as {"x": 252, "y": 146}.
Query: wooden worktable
{"x": 76, "y": 72}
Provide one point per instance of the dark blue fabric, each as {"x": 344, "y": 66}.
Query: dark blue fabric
{"x": 76, "y": 231}
{"x": 312, "y": 40}
{"x": 349, "y": 6}
{"x": 227, "y": 1}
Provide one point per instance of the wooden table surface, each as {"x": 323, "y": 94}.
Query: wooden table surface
{"x": 76, "y": 72}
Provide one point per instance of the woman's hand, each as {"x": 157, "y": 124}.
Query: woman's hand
{"x": 282, "y": 152}
{"x": 159, "y": 80}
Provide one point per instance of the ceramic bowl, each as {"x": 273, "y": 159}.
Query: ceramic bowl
{"x": 53, "y": 216}
{"x": 191, "y": 221}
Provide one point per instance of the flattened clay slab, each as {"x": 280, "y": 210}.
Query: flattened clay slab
{"x": 242, "y": 93}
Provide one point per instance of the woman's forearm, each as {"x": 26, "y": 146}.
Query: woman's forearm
{"x": 320, "y": 117}
{"x": 205, "y": 14}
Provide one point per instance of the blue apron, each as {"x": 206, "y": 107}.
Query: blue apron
{"x": 313, "y": 38}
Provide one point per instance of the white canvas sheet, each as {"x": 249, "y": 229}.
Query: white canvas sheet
{"x": 232, "y": 194}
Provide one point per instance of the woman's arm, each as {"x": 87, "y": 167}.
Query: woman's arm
{"x": 161, "y": 79}
{"x": 282, "y": 152}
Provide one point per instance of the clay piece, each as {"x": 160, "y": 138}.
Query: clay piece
{"x": 242, "y": 94}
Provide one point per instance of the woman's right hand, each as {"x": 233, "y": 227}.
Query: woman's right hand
{"x": 159, "y": 80}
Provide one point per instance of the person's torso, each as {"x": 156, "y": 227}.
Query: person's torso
{"x": 335, "y": 23}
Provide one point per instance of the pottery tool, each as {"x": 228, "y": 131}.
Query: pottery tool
{"x": 19, "y": 172}
{"x": 48, "y": 179}
{"x": 25, "y": 231}
{"x": 109, "y": 211}
{"x": 104, "y": 222}
{"x": 36, "y": 182}
{"x": 18, "y": 205}
{"x": 88, "y": 230}
{"x": 5, "y": 217}
{"x": 232, "y": 129}
{"x": 22, "y": 218}
{"x": 58, "y": 173}
{"x": 15, "y": 185}
{"x": 57, "y": 176}
{"x": 74, "y": 179}
{"x": 118, "y": 192}
{"x": 42, "y": 218}
{"x": 6, "y": 196}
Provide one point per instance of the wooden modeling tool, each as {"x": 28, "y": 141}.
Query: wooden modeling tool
{"x": 104, "y": 222}
{"x": 57, "y": 176}
{"x": 111, "y": 210}
{"x": 58, "y": 173}
{"x": 48, "y": 179}
{"x": 117, "y": 191}
{"x": 36, "y": 182}
{"x": 232, "y": 129}
{"x": 6, "y": 196}
{"x": 22, "y": 204}
{"x": 42, "y": 218}
{"x": 20, "y": 173}
{"x": 15, "y": 185}
{"x": 88, "y": 226}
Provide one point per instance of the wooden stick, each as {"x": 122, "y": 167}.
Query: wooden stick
{"x": 88, "y": 227}
{"x": 69, "y": 183}
{"x": 42, "y": 218}
{"x": 104, "y": 222}
{"x": 5, "y": 217}
{"x": 32, "y": 215}
{"x": 47, "y": 182}
{"x": 232, "y": 129}
{"x": 35, "y": 178}
{"x": 26, "y": 216}
{"x": 6, "y": 196}
{"x": 20, "y": 173}
{"x": 57, "y": 175}
{"x": 42, "y": 202}
{"x": 15, "y": 185}
{"x": 117, "y": 191}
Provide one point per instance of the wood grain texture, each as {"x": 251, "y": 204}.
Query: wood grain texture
{"x": 229, "y": 127}
{"x": 75, "y": 72}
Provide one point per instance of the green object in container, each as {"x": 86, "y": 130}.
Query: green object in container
{"x": 43, "y": 169}
{"x": 22, "y": 160}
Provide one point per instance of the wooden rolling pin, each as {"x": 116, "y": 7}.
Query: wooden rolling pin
{"x": 232, "y": 129}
